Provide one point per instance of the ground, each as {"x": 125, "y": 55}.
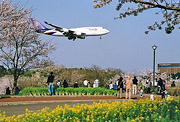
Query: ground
{"x": 62, "y": 98}
{"x": 18, "y": 105}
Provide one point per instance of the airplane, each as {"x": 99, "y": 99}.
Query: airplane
{"x": 71, "y": 33}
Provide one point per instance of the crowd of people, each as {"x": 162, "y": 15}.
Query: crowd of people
{"x": 133, "y": 86}
{"x": 128, "y": 85}
{"x": 51, "y": 85}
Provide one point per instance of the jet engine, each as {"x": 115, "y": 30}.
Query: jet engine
{"x": 81, "y": 37}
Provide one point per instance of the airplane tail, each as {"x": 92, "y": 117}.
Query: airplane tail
{"x": 38, "y": 26}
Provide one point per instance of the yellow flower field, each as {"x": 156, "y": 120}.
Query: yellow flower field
{"x": 131, "y": 111}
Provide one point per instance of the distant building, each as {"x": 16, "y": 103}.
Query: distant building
{"x": 169, "y": 68}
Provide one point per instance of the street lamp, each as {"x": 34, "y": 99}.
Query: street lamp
{"x": 154, "y": 47}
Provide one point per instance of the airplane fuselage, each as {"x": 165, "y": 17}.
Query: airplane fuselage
{"x": 86, "y": 31}
{"x": 72, "y": 33}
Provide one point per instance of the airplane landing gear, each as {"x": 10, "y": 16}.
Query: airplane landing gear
{"x": 72, "y": 38}
{"x": 100, "y": 37}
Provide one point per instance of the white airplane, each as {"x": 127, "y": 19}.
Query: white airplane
{"x": 72, "y": 33}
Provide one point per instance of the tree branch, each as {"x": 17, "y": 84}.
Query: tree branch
{"x": 155, "y": 5}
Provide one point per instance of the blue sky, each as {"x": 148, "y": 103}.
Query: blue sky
{"x": 126, "y": 46}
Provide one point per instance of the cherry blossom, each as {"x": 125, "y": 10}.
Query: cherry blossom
{"x": 170, "y": 11}
{"x": 20, "y": 46}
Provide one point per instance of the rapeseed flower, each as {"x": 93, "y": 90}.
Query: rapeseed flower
{"x": 142, "y": 110}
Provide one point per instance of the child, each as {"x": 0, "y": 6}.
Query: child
{"x": 141, "y": 91}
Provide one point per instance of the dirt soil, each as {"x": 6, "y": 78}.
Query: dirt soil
{"x": 63, "y": 98}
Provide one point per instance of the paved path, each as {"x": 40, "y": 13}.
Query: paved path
{"x": 18, "y": 105}
{"x": 21, "y": 108}
{"x": 12, "y": 100}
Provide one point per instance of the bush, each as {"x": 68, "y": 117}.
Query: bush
{"x": 67, "y": 91}
{"x": 173, "y": 91}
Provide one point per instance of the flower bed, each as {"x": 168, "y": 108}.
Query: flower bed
{"x": 143, "y": 110}
{"x": 67, "y": 91}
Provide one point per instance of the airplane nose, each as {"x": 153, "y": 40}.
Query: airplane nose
{"x": 107, "y": 31}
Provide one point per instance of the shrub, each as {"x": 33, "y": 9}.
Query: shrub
{"x": 173, "y": 91}
{"x": 67, "y": 91}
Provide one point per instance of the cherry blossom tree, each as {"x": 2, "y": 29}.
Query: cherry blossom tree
{"x": 5, "y": 82}
{"x": 170, "y": 11}
{"x": 20, "y": 46}
{"x": 147, "y": 73}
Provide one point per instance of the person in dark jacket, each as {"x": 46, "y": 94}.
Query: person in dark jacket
{"x": 8, "y": 92}
{"x": 135, "y": 85}
{"x": 120, "y": 87}
{"x": 173, "y": 84}
{"x": 65, "y": 84}
{"x": 76, "y": 85}
{"x": 163, "y": 89}
{"x": 50, "y": 83}
{"x": 160, "y": 83}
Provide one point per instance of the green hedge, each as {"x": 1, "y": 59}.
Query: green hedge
{"x": 67, "y": 91}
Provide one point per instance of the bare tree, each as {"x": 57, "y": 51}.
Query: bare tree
{"x": 170, "y": 11}
{"x": 76, "y": 76}
{"x": 20, "y": 46}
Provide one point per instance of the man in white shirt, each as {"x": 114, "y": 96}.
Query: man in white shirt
{"x": 96, "y": 82}
{"x": 85, "y": 83}
{"x": 58, "y": 83}
{"x": 111, "y": 85}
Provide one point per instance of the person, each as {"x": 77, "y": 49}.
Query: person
{"x": 124, "y": 85}
{"x": 50, "y": 83}
{"x": 156, "y": 83}
{"x": 119, "y": 87}
{"x": 148, "y": 84}
{"x": 17, "y": 90}
{"x": 135, "y": 85}
{"x": 94, "y": 85}
{"x": 65, "y": 84}
{"x": 114, "y": 86}
{"x": 8, "y": 92}
{"x": 160, "y": 83}
{"x": 89, "y": 84}
{"x": 96, "y": 82}
{"x": 128, "y": 87}
{"x": 85, "y": 83}
{"x": 163, "y": 89}
{"x": 173, "y": 84}
{"x": 76, "y": 85}
{"x": 141, "y": 91}
{"x": 140, "y": 85}
{"x": 111, "y": 85}
{"x": 58, "y": 83}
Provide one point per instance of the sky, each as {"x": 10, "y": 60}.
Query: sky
{"x": 126, "y": 47}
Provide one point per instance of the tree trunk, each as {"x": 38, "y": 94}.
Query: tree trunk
{"x": 14, "y": 85}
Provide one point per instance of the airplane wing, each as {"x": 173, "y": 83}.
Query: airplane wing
{"x": 57, "y": 27}
{"x": 67, "y": 32}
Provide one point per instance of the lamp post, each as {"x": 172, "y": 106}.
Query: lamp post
{"x": 154, "y": 47}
